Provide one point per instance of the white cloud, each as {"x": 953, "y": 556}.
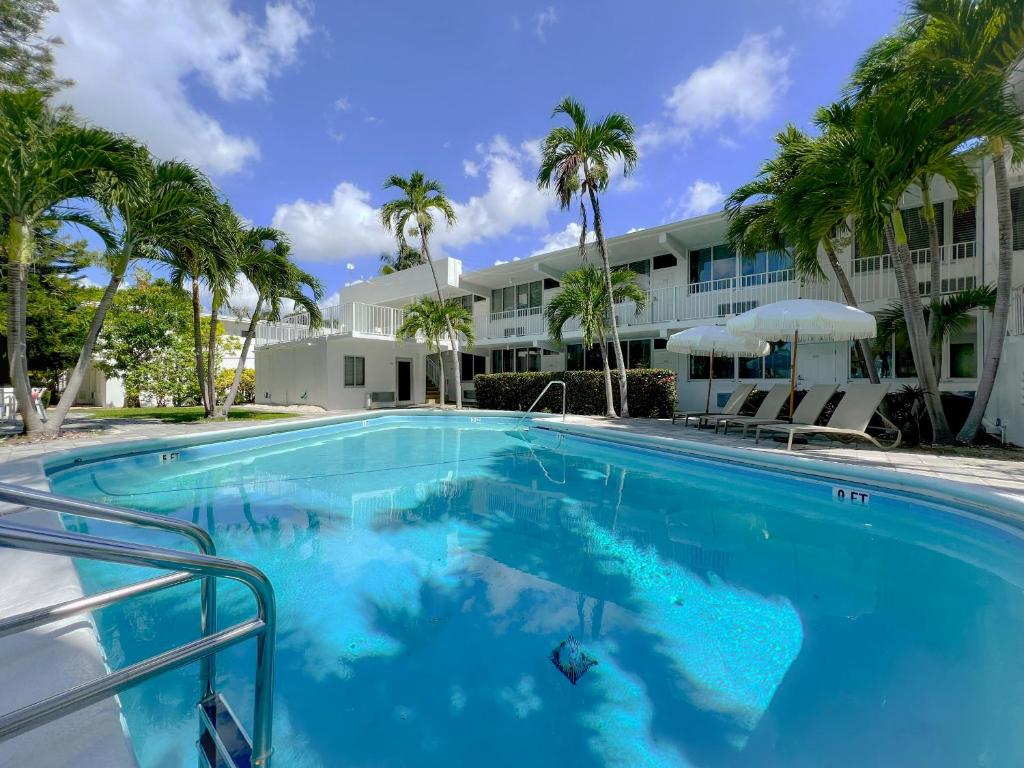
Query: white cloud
{"x": 348, "y": 225}
{"x": 741, "y": 87}
{"x": 470, "y": 168}
{"x": 566, "y": 238}
{"x": 701, "y": 197}
{"x": 350, "y": 266}
{"x": 131, "y": 60}
{"x": 828, "y": 12}
{"x": 543, "y": 20}
{"x": 342, "y": 104}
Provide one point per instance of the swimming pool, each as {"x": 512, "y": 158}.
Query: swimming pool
{"x": 427, "y": 567}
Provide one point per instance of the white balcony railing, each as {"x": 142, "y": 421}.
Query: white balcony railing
{"x": 516, "y": 323}
{"x": 1015, "y": 322}
{"x": 872, "y": 278}
{"x": 351, "y": 319}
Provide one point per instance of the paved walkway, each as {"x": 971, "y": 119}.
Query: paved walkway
{"x": 1003, "y": 471}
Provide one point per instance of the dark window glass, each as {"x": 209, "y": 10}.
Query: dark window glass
{"x": 665, "y": 261}
{"x": 550, "y": 283}
{"x": 641, "y": 267}
{"x": 593, "y": 358}
{"x": 904, "y": 361}
{"x": 965, "y": 226}
{"x": 750, "y": 367}
{"x": 536, "y": 293}
{"x": 574, "y": 357}
{"x": 472, "y": 365}
{"x": 1017, "y": 217}
{"x": 661, "y": 343}
{"x": 355, "y": 371}
{"x": 699, "y": 367}
{"x": 509, "y": 298}
{"x": 700, "y": 266}
{"x": 639, "y": 354}
{"x": 917, "y": 227}
{"x": 776, "y": 364}
{"x": 496, "y": 303}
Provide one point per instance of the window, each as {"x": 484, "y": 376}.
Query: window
{"x": 1017, "y": 217}
{"x": 574, "y": 357}
{"x": 523, "y": 296}
{"x": 355, "y": 371}
{"x": 965, "y": 230}
{"x": 472, "y": 365}
{"x": 750, "y": 367}
{"x": 638, "y": 353}
{"x": 699, "y": 367}
{"x": 661, "y": 343}
{"x": 963, "y": 352}
{"x": 503, "y": 361}
{"x": 665, "y": 261}
{"x": 904, "y": 360}
{"x": 715, "y": 263}
{"x": 465, "y": 301}
{"x": 527, "y": 359}
{"x": 777, "y": 362}
{"x": 917, "y": 227}
{"x": 765, "y": 266}
{"x": 513, "y": 360}
{"x": 550, "y": 283}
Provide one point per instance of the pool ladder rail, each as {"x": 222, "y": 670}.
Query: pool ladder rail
{"x": 543, "y": 392}
{"x": 223, "y": 741}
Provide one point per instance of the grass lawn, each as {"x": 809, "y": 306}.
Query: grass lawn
{"x": 182, "y": 415}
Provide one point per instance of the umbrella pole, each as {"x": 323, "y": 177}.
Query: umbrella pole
{"x": 792, "y": 373}
{"x": 711, "y": 375}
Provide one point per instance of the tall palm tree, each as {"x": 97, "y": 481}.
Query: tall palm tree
{"x": 435, "y": 319}
{"x": 577, "y": 159}
{"x": 48, "y": 163}
{"x": 412, "y": 214}
{"x": 759, "y": 221}
{"x": 943, "y": 44}
{"x": 584, "y": 295}
{"x": 147, "y": 213}
{"x": 275, "y": 278}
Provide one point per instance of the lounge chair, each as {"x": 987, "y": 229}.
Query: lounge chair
{"x": 850, "y": 420}
{"x": 767, "y": 411}
{"x": 732, "y": 406}
{"x": 807, "y": 411}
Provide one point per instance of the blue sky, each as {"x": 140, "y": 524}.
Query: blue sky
{"x": 299, "y": 110}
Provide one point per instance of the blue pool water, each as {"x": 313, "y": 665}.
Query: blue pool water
{"x": 426, "y": 568}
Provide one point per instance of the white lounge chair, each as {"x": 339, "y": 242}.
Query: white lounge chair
{"x": 850, "y": 420}
{"x": 768, "y": 410}
{"x": 807, "y": 410}
{"x": 732, "y": 406}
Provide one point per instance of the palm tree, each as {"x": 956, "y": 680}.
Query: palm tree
{"x": 413, "y": 214}
{"x": 577, "y": 159}
{"x": 584, "y": 295}
{"x": 275, "y": 278}
{"x": 198, "y": 254}
{"x": 759, "y": 221}
{"x": 405, "y": 258}
{"x": 48, "y": 162}
{"x": 435, "y": 319}
{"x": 148, "y": 212}
{"x": 947, "y": 316}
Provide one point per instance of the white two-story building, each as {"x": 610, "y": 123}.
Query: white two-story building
{"x": 691, "y": 276}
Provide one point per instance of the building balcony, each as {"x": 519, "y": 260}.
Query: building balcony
{"x": 355, "y": 319}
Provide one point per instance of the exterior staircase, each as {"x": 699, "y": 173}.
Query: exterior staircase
{"x": 433, "y": 393}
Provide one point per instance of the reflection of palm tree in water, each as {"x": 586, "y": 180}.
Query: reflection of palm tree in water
{"x": 597, "y": 612}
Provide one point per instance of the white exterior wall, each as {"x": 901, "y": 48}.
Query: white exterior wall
{"x": 313, "y": 373}
{"x": 97, "y": 390}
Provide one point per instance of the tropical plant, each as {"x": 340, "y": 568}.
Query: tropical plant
{"x": 950, "y": 44}
{"x": 276, "y": 279}
{"x": 26, "y": 56}
{"x": 577, "y": 159}
{"x": 435, "y": 319}
{"x": 148, "y": 213}
{"x": 759, "y": 220}
{"x": 412, "y": 214}
{"x": 404, "y": 258}
{"x": 949, "y": 315}
{"x": 49, "y": 164}
{"x": 584, "y": 295}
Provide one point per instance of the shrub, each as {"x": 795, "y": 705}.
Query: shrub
{"x": 246, "y": 387}
{"x": 652, "y": 391}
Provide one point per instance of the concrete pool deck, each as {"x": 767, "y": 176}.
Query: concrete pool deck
{"x": 44, "y": 661}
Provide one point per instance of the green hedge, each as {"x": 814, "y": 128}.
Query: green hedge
{"x": 652, "y": 391}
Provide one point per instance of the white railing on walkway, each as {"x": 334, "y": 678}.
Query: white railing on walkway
{"x": 515, "y": 323}
{"x": 872, "y": 277}
{"x": 350, "y": 319}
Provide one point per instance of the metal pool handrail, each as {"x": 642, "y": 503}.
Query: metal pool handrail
{"x": 542, "y": 393}
{"x": 184, "y": 567}
{"x": 52, "y": 502}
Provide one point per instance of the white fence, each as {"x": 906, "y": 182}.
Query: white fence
{"x": 515, "y": 323}
{"x": 350, "y": 319}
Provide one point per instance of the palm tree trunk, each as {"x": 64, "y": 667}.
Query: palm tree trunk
{"x": 867, "y": 355}
{"x": 19, "y": 250}
{"x": 211, "y": 354}
{"x": 197, "y": 341}
{"x": 609, "y": 394}
{"x": 1001, "y": 311}
{"x": 250, "y": 334}
{"x": 620, "y": 363}
{"x": 440, "y": 374}
{"x": 917, "y": 331}
{"x": 935, "y": 276}
{"x": 74, "y": 383}
{"x": 452, "y": 338}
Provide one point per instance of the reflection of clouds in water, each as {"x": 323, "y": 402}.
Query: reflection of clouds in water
{"x": 457, "y": 698}
{"x": 732, "y": 646}
{"x": 523, "y": 698}
{"x": 621, "y": 723}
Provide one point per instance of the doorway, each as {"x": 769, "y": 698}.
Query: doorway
{"x": 403, "y": 371}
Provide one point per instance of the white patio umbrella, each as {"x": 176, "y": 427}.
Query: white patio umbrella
{"x": 715, "y": 341}
{"x": 799, "y": 320}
